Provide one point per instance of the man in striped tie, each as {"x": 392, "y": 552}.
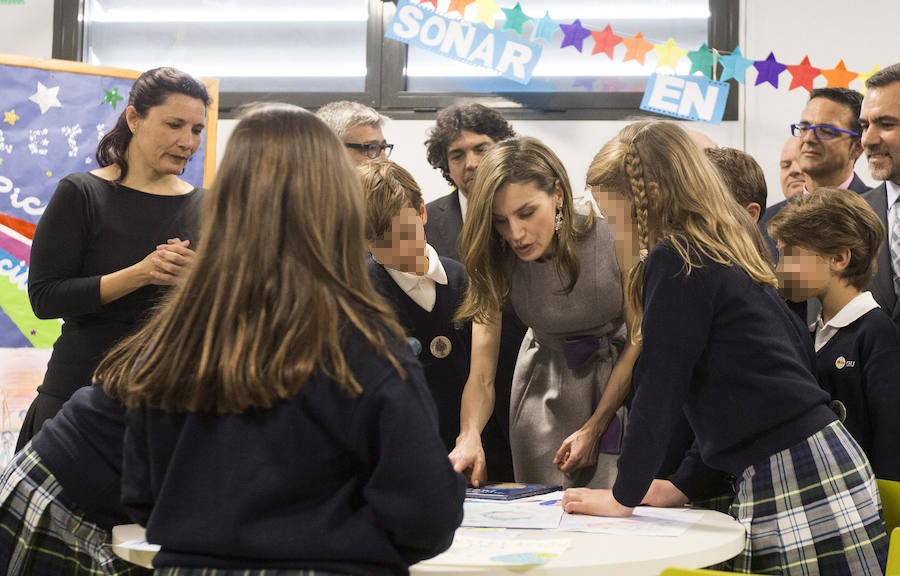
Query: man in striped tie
{"x": 880, "y": 119}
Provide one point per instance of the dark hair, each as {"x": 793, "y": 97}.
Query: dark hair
{"x": 451, "y": 121}
{"x": 884, "y": 77}
{"x": 280, "y": 276}
{"x": 845, "y": 97}
{"x": 150, "y": 89}
{"x": 828, "y": 222}
{"x": 742, "y": 174}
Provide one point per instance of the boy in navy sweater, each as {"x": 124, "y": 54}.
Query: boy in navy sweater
{"x": 829, "y": 242}
{"x": 423, "y": 288}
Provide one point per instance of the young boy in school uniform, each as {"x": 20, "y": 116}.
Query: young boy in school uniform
{"x": 423, "y": 288}
{"x": 829, "y": 241}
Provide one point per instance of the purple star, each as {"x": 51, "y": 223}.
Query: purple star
{"x": 768, "y": 70}
{"x": 33, "y": 332}
{"x": 574, "y": 34}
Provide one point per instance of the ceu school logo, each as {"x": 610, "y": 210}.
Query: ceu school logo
{"x": 840, "y": 362}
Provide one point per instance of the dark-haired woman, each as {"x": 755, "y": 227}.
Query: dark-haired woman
{"x": 111, "y": 239}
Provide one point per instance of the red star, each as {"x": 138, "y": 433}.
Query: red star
{"x": 803, "y": 75}
{"x": 459, "y": 6}
{"x": 839, "y": 76}
{"x": 636, "y": 48}
{"x": 432, "y": 2}
{"x": 605, "y": 41}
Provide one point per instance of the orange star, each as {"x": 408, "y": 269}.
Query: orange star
{"x": 636, "y": 48}
{"x": 839, "y": 76}
{"x": 459, "y": 6}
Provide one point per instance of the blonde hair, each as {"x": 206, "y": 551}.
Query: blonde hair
{"x": 488, "y": 261}
{"x": 388, "y": 189}
{"x": 693, "y": 209}
{"x": 279, "y": 277}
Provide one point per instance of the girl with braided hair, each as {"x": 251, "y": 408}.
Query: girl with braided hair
{"x": 719, "y": 345}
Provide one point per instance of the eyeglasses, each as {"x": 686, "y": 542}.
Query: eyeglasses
{"x": 372, "y": 151}
{"x": 820, "y": 131}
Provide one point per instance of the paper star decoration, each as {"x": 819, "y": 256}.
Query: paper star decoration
{"x": 636, "y": 48}
{"x": 668, "y": 54}
{"x": 768, "y": 70}
{"x": 112, "y": 97}
{"x": 45, "y": 97}
{"x": 866, "y": 75}
{"x": 10, "y": 117}
{"x": 487, "y": 11}
{"x": 545, "y": 29}
{"x": 803, "y": 75}
{"x": 839, "y": 76}
{"x": 574, "y": 35}
{"x": 515, "y": 18}
{"x": 735, "y": 66}
{"x": 586, "y": 82}
{"x": 702, "y": 60}
{"x": 432, "y": 2}
{"x": 605, "y": 41}
{"x": 459, "y": 6}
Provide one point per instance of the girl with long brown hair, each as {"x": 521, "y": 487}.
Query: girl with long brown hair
{"x": 719, "y": 345}
{"x": 279, "y": 419}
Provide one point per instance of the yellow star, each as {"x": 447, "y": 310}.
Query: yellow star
{"x": 487, "y": 10}
{"x": 668, "y": 54}
{"x": 10, "y": 117}
{"x": 1, "y": 161}
{"x": 49, "y": 174}
{"x": 865, "y": 76}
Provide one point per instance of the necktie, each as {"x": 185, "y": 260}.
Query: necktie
{"x": 895, "y": 245}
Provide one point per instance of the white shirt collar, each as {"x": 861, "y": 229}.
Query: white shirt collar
{"x": 854, "y": 309}
{"x": 422, "y": 288}
{"x": 893, "y": 190}
{"x": 463, "y": 204}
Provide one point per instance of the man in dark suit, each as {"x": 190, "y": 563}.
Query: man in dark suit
{"x": 829, "y": 134}
{"x": 461, "y": 135}
{"x": 880, "y": 120}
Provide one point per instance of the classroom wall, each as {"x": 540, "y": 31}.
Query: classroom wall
{"x": 826, "y": 30}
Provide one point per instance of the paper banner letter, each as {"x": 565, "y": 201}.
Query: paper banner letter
{"x": 688, "y": 97}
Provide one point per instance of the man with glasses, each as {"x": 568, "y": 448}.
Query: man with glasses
{"x": 359, "y": 127}
{"x": 828, "y": 134}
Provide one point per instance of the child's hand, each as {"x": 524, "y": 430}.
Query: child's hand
{"x": 593, "y": 502}
{"x": 664, "y": 494}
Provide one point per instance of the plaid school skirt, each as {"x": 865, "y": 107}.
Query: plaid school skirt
{"x": 41, "y": 536}
{"x": 174, "y": 571}
{"x": 812, "y": 509}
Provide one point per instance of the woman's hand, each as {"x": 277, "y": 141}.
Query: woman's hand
{"x": 664, "y": 494}
{"x": 578, "y": 450}
{"x": 171, "y": 262}
{"x": 468, "y": 458}
{"x": 593, "y": 502}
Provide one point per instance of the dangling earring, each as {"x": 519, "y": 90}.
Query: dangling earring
{"x": 559, "y": 218}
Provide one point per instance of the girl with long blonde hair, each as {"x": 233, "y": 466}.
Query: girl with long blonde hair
{"x": 526, "y": 240}
{"x": 719, "y": 344}
{"x": 275, "y": 404}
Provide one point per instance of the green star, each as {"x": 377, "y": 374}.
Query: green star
{"x": 701, "y": 60}
{"x": 515, "y": 18}
{"x": 112, "y": 97}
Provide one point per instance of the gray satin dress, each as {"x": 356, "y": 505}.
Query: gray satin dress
{"x": 549, "y": 400}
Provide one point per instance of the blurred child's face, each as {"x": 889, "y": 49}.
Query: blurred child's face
{"x": 802, "y": 273}
{"x": 403, "y": 246}
{"x": 525, "y": 216}
{"x": 618, "y": 210}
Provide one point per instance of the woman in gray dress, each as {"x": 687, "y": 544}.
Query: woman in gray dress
{"x": 525, "y": 239}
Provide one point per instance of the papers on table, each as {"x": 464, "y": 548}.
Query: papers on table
{"x": 140, "y": 544}
{"x": 645, "y": 521}
{"x": 489, "y": 547}
{"x": 482, "y": 514}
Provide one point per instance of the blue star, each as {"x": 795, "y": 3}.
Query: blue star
{"x": 545, "y": 28}
{"x": 734, "y": 66}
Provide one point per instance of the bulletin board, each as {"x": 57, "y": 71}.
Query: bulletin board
{"x": 53, "y": 114}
